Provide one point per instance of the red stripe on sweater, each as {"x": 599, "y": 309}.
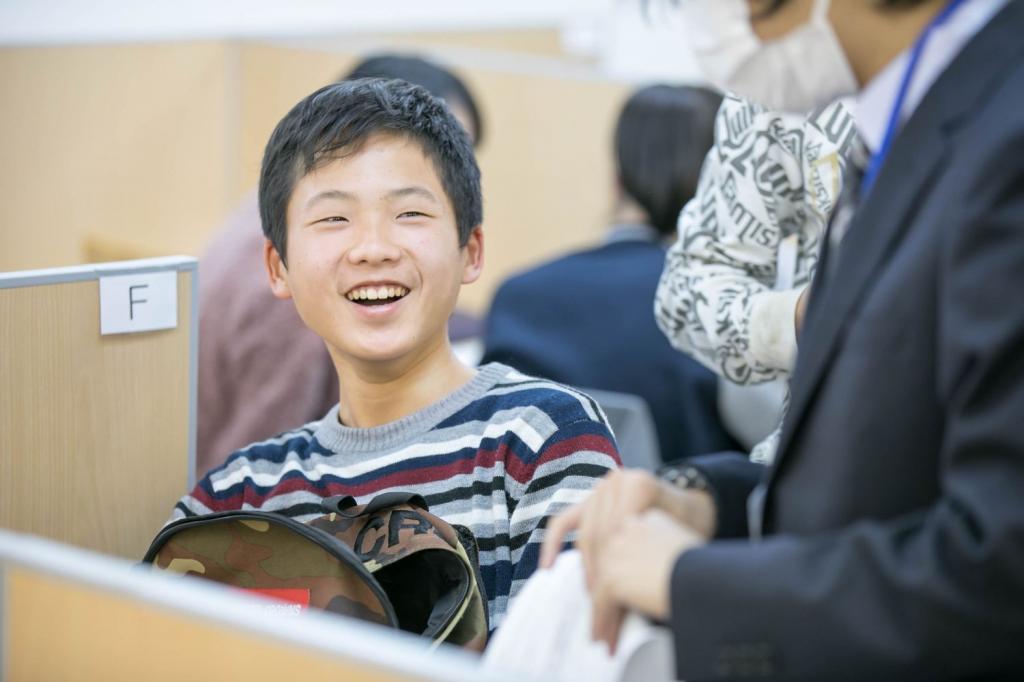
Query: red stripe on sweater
{"x": 522, "y": 472}
{"x": 485, "y": 459}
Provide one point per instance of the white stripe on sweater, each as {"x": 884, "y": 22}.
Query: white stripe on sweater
{"x": 533, "y": 382}
{"x": 521, "y": 428}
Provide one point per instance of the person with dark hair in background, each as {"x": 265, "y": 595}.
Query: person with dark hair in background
{"x": 886, "y": 540}
{"x": 260, "y": 369}
{"x": 438, "y": 80}
{"x": 372, "y": 213}
{"x": 586, "y": 319}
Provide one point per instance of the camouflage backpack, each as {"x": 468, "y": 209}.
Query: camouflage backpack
{"x": 390, "y": 562}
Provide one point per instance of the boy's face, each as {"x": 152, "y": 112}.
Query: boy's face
{"x": 374, "y": 263}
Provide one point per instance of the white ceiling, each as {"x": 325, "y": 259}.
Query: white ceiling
{"x": 63, "y": 21}
{"x": 620, "y": 40}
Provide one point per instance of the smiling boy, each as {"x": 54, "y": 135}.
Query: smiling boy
{"x": 370, "y": 201}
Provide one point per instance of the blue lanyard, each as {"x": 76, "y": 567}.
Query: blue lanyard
{"x": 878, "y": 158}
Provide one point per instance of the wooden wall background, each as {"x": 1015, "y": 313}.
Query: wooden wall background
{"x": 137, "y": 150}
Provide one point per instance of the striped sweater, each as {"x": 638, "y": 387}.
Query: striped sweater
{"x": 499, "y": 455}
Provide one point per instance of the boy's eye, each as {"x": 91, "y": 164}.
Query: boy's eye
{"x": 333, "y": 219}
{"x": 412, "y": 214}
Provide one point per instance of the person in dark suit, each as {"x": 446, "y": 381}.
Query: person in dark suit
{"x": 887, "y": 539}
{"x": 587, "y": 319}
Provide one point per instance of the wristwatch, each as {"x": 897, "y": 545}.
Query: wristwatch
{"x": 686, "y": 477}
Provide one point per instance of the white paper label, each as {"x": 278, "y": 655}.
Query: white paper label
{"x": 138, "y": 303}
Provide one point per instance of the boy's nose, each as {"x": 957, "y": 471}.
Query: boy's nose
{"x": 374, "y": 245}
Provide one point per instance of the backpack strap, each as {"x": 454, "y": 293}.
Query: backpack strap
{"x": 342, "y": 504}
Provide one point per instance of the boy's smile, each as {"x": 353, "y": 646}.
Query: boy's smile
{"x": 377, "y": 294}
{"x": 374, "y": 263}
{"x": 377, "y": 299}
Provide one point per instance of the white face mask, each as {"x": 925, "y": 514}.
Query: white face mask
{"x": 800, "y": 71}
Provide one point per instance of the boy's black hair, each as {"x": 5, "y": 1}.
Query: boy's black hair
{"x": 336, "y": 120}
{"x": 663, "y": 134}
{"x": 438, "y": 80}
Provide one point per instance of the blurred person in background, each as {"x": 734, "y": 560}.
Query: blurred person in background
{"x": 735, "y": 282}
{"x": 886, "y": 540}
{"x": 254, "y": 350}
{"x": 585, "y": 319}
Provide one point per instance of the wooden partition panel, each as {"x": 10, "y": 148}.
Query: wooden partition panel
{"x": 96, "y": 432}
{"x": 68, "y": 615}
{"x": 54, "y": 636}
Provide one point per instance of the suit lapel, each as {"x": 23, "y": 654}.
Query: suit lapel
{"x": 910, "y": 170}
{"x": 873, "y": 234}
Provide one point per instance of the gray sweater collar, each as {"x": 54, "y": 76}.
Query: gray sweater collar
{"x": 332, "y": 434}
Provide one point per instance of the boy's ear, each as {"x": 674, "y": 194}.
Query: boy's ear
{"x": 473, "y": 256}
{"x": 276, "y": 270}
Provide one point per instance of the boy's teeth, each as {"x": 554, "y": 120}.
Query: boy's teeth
{"x": 377, "y": 293}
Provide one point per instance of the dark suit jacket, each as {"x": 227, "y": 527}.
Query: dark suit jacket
{"x": 587, "y": 320}
{"x": 893, "y": 517}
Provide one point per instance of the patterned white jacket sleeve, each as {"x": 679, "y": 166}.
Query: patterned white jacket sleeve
{"x": 748, "y": 241}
